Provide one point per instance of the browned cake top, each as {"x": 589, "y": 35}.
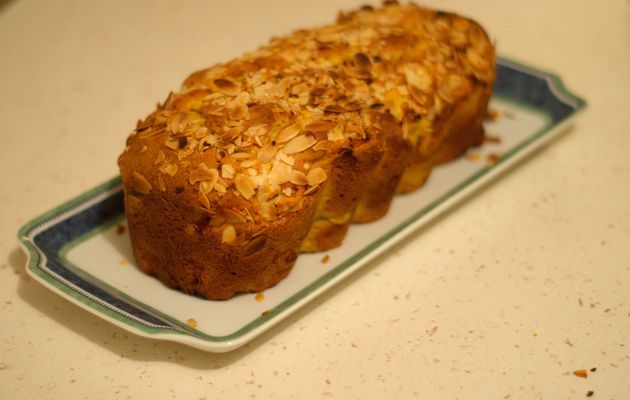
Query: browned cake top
{"x": 251, "y": 136}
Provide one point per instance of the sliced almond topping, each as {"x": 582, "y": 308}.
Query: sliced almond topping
{"x": 233, "y": 216}
{"x": 178, "y": 123}
{"x": 267, "y": 152}
{"x": 240, "y": 156}
{"x": 287, "y": 192}
{"x": 288, "y": 133}
{"x": 141, "y": 184}
{"x": 227, "y": 171}
{"x": 286, "y": 159}
{"x": 228, "y": 235}
{"x": 201, "y": 132}
{"x": 160, "y": 157}
{"x": 298, "y": 144}
{"x": 238, "y": 111}
{"x": 322, "y": 145}
{"x": 335, "y": 134}
{"x": 220, "y": 188}
{"x": 268, "y": 211}
{"x": 279, "y": 174}
{"x": 418, "y": 76}
{"x": 169, "y": 169}
{"x": 172, "y": 143}
{"x": 203, "y": 200}
{"x": 298, "y": 178}
{"x": 227, "y": 86}
{"x": 161, "y": 184}
{"x": 316, "y": 176}
{"x": 203, "y": 173}
{"x": 256, "y": 130}
{"x": 230, "y": 134}
{"x": 476, "y": 60}
{"x": 319, "y": 126}
{"x": 245, "y": 185}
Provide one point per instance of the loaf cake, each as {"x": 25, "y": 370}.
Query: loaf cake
{"x": 274, "y": 153}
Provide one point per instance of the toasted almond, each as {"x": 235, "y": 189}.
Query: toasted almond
{"x": 160, "y": 157}
{"x": 289, "y": 160}
{"x": 203, "y": 174}
{"x": 298, "y": 144}
{"x": 288, "y": 133}
{"x": 254, "y": 245}
{"x": 169, "y": 168}
{"x": 141, "y": 184}
{"x": 232, "y": 216}
{"x": 227, "y": 86}
{"x": 238, "y": 111}
{"x": 256, "y": 130}
{"x": 321, "y": 125}
{"x": 417, "y": 75}
{"x": 203, "y": 200}
{"x": 227, "y": 171}
{"x": 267, "y": 152}
{"x": 172, "y": 143}
{"x": 316, "y": 176}
{"x": 228, "y": 235}
{"x": 279, "y": 174}
{"x": 298, "y": 178}
{"x": 245, "y": 185}
{"x": 362, "y": 60}
{"x": 268, "y": 211}
{"x": 161, "y": 184}
{"x": 475, "y": 59}
{"x": 230, "y": 134}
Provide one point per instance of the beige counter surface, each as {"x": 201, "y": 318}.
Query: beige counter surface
{"x": 501, "y": 298}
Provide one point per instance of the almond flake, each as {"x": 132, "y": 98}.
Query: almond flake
{"x": 316, "y": 176}
{"x": 227, "y": 86}
{"x": 227, "y": 171}
{"x": 288, "y": 133}
{"x": 298, "y": 144}
{"x": 169, "y": 169}
{"x": 228, "y": 235}
{"x": 279, "y": 174}
{"x": 319, "y": 126}
{"x": 238, "y": 111}
{"x": 256, "y": 130}
{"x": 203, "y": 200}
{"x": 287, "y": 192}
{"x": 160, "y": 157}
{"x": 417, "y": 75}
{"x": 267, "y": 152}
{"x": 298, "y": 178}
{"x": 141, "y": 184}
{"x": 245, "y": 185}
{"x": 286, "y": 159}
{"x": 203, "y": 174}
{"x": 172, "y": 143}
{"x": 233, "y": 216}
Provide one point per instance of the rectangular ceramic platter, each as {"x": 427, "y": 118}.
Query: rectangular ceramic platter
{"x": 81, "y": 250}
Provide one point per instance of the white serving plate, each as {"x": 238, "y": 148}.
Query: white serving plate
{"x": 81, "y": 250}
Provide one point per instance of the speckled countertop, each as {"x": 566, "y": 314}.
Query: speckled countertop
{"x": 504, "y": 297}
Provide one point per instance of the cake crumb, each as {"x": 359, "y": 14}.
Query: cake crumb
{"x": 590, "y": 393}
{"x": 191, "y": 322}
{"x": 260, "y": 296}
{"x": 472, "y": 156}
{"x": 120, "y": 229}
{"x": 580, "y": 373}
{"x": 325, "y": 259}
{"x": 123, "y": 261}
{"x": 492, "y": 159}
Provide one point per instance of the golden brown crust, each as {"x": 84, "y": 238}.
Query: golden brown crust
{"x": 278, "y": 151}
